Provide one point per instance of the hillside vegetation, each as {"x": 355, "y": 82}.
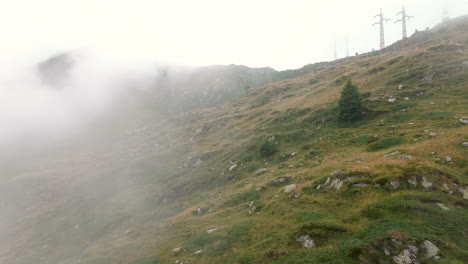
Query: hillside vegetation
{"x": 273, "y": 175}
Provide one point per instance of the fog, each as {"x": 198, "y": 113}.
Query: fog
{"x": 81, "y": 142}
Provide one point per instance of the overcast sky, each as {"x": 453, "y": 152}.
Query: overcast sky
{"x": 282, "y": 34}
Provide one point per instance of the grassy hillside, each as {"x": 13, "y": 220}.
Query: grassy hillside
{"x": 364, "y": 192}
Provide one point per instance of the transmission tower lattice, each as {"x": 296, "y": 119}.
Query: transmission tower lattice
{"x": 381, "y": 23}
{"x": 403, "y": 19}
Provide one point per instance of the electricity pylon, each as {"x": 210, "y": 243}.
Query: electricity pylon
{"x": 403, "y": 19}
{"x": 381, "y": 23}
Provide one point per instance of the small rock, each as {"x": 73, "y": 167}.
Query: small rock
{"x": 391, "y": 100}
{"x": 387, "y": 253}
{"x": 199, "y": 211}
{"x": 395, "y": 184}
{"x": 209, "y": 231}
{"x": 464, "y": 192}
{"x": 289, "y": 188}
{"x": 293, "y": 154}
{"x": 465, "y": 144}
{"x": 463, "y": 121}
{"x": 411, "y": 123}
{"x": 432, "y": 134}
{"x": 306, "y": 241}
{"x": 336, "y": 183}
{"x": 233, "y": 166}
{"x": 360, "y": 185}
{"x": 405, "y": 156}
{"x": 291, "y": 166}
{"x": 176, "y": 250}
{"x": 403, "y": 258}
{"x": 391, "y": 154}
{"x": 198, "y": 163}
{"x": 198, "y": 251}
{"x": 425, "y": 183}
{"x": 448, "y": 159}
{"x": 400, "y": 86}
{"x": 413, "y": 181}
{"x": 337, "y": 172}
{"x": 262, "y": 170}
{"x": 251, "y": 203}
{"x": 259, "y": 189}
{"x": 406, "y": 98}
{"x": 442, "y": 206}
{"x": 413, "y": 249}
{"x": 431, "y": 249}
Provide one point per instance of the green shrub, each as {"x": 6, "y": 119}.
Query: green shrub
{"x": 267, "y": 148}
{"x": 384, "y": 144}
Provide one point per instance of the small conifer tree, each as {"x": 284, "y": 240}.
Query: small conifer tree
{"x": 349, "y": 105}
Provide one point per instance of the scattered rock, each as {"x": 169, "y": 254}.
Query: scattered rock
{"x": 431, "y": 249}
{"x": 413, "y": 181}
{"x": 403, "y": 258}
{"x": 327, "y": 182}
{"x": 198, "y": 131}
{"x": 395, "y": 184}
{"x": 442, "y": 206}
{"x": 405, "y": 156}
{"x": 209, "y": 231}
{"x": 360, "y": 185}
{"x": 251, "y": 203}
{"x": 336, "y": 183}
{"x": 387, "y": 253}
{"x": 432, "y": 134}
{"x": 465, "y": 144}
{"x": 413, "y": 249}
{"x": 464, "y": 192}
{"x": 337, "y": 172}
{"x": 391, "y": 100}
{"x": 232, "y": 167}
{"x": 428, "y": 77}
{"x": 306, "y": 241}
{"x": 198, "y": 163}
{"x": 425, "y": 183}
{"x": 391, "y": 154}
{"x": 289, "y": 188}
{"x": 262, "y": 170}
{"x": 463, "y": 121}
{"x": 400, "y": 86}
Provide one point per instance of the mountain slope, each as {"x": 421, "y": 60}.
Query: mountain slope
{"x": 367, "y": 192}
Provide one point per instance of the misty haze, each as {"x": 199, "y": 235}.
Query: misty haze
{"x": 157, "y": 132}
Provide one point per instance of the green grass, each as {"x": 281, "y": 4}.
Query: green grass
{"x": 385, "y": 143}
{"x": 435, "y": 115}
